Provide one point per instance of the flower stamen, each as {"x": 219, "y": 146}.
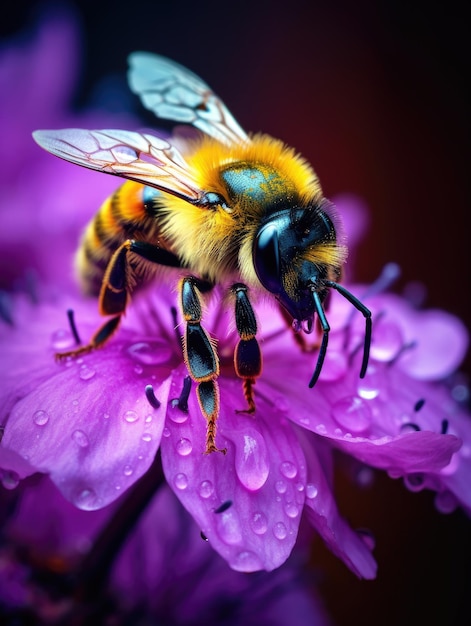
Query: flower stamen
{"x": 73, "y": 327}
{"x": 223, "y": 507}
{"x": 182, "y": 401}
{"x": 419, "y": 404}
{"x": 150, "y": 395}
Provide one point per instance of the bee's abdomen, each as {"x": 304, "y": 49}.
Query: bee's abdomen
{"x": 128, "y": 214}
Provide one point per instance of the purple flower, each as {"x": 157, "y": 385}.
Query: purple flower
{"x": 94, "y": 424}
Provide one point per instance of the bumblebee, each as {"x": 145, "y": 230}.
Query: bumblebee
{"x": 225, "y": 208}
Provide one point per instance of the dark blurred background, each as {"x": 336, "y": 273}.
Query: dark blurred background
{"x": 373, "y": 94}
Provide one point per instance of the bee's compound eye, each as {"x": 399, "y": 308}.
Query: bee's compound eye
{"x": 266, "y": 256}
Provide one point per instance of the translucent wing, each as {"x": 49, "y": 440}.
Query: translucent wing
{"x": 174, "y": 93}
{"x": 138, "y": 156}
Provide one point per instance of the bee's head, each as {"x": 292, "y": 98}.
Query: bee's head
{"x": 295, "y": 251}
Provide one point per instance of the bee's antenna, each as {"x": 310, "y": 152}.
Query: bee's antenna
{"x": 325, "y": 338}
{"x": 366, "y": 314}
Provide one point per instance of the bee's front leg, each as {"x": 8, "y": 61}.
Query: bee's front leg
{"x": 247, "y": 355}
{"x": 200, "y": 357}
{"x": 116, "y": 288}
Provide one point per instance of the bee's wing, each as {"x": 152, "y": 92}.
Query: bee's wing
{"x": 174, "y": 93}
{"x": 137, "y": 156}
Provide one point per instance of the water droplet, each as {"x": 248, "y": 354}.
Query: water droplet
{"x": 150, "y": 352}
{"x": 415, "y": 481}
{"x": 180, "y": 481}
{"x": 368, "y": 387}
{"x": 62, "y": 340}
{"x": 40, "y": 418}
{"x": 300, "y": 487}
{"x": 288, "y": 469}
{"x": 321, "y": 429}
{"x": 311, "y": 491}
{"x": 128, "y": 470}
{"x": 166, "y": 432}
{"x": 138, "y": 369}
{"x": 10, "y": 479}
{"x": 206, "y": 489}
{"x": 292, "y": 510}
{"x": 259, "y": 523}
{"x": 352, "y": 413}
{"x": 304, "y": 421}
{"x": 106, "y": 416}
{"x": 177, "y": 415}
{"x": 281, "y": 486}
{"x": 281, "y": 403}
{"x": 251, "y": 460}
{"x": 146, "y": 437}
{"x": 388, "y": 341}
{"x": 85, "y": 372}
{"x": 131, "y": 416}
{"x": 80, "y": 438}
{"x": 246, "y": 562}
{"x": 148, "y": 419}
{"x": 280, "y": 531}
{"x": 183, "y": 446}
{"x": 228, "y": 527}
{"x": 86, "y": 499}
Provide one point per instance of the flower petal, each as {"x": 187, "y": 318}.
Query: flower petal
{"x": 92, "y": 444}
{"x": 248, "y": 502}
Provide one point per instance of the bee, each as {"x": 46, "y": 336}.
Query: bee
{"x": 245, "y": 212}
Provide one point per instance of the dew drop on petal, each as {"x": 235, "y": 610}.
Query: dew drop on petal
{"x": 40, "y": 418}
{"x": 180, "y": 481}
{"x": 228, "y": 527}
{"x": 131, "y": 416}
{"x": 150, "y": 352}
{"x": 62, "y": 340}
{"x": 148, "y": 419}
{"x": 291, "y": 510}
{"x": 206, "y": 489}
{"x": 177, "y": 415}
{"x": 288, "y": 469}
{"x": 184, "y": 446}
{"x": 106, "y": 416}
{"x": 368, "y": 387}
{"x": 281, "y": 486}
{"x": 246, "y": 561}
{"x": 280, "y": 531}
{"x": 80, "y": 438}
{"x": 86, "y": 499}
{"x": 146, "y": 437}
{"x": 388, "y": 341}
{"x": 352, "y": 413}
{"x": 86, "y": 373}
{"x": 166, "y": 432}
{"x": 259, "y": 523}
{"x": 10, "y": 479}
{"x": 128, "y": 470}
{"x": 251, "y": 461}
{"x": 311, "y": 491}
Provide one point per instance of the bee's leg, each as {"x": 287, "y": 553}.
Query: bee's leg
{"x": 247, "y": 355}
{"x": 200, "y": 357}
{"x": 116, "y": 288}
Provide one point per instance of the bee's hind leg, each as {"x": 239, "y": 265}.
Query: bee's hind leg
{"x": 247, "y": 355}
{"x": 116, "y": 288}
